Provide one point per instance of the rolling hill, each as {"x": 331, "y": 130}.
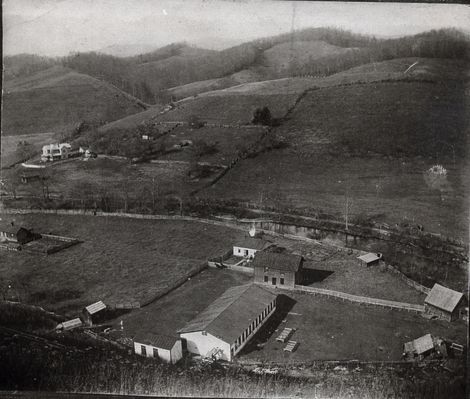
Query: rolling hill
{"x": 57, "y": 98}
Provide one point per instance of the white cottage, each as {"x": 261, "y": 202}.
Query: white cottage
{"x": 227, "y": 325}
{"x": 168, "y": 349}
{"x": 53, "y": 152}
{"x": 249, "y": 246}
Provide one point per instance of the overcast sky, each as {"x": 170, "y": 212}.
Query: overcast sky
{"x": 57, "y": 27}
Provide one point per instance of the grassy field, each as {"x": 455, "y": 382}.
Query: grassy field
{"x": 228, "y": 109}
{"x": 329, "y": 268}
{"x": 380, "y": 189}
{"x": 173, "y": 311}
{"x": 329, "y": 329}
{"x": 57, "y": 101}
{"x": 119, "y": 260}
{"x": 229, "y": 141}
{"x": 9, "y": 146}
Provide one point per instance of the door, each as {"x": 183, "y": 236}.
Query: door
{"x": 274, "y": 280}
{"x": 143, "y": 350}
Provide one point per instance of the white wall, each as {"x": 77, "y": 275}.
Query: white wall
{"x": 163, "y": 354}
{"x": 176, "y": 351}
{"x": 240, "y": 251}
{"x": 200, "y": 344}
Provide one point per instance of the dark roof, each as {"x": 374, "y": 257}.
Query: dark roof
{"x": 443, "y": 298}
{"x": 156, "y": 340}
{"x": 230, "y": 314}
{"x": 277, "y": 261}
{"x": 253, "y": 243}
{"x": 9, "y": 228}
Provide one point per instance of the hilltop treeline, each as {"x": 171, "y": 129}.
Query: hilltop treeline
{"x": 147, "y": 76}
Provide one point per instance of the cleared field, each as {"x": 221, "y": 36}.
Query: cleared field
{"x": 119, "y": 260}
{"x": 228, "y": 109}
{"x": 381, "y": 189}
{"x": 228, "y": 142}
{"x": 114, "y": 178}
{"x": 174, "y": 310}
{"x": 328, "y": 329}
{"x": 9, "y": 146}
{"x": 395, "y": 118}
{"x": 56, "y": 101}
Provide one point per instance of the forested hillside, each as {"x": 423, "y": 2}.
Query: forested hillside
{"x": 316, "y": 51}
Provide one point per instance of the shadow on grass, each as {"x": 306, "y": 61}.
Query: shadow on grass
{"x": 310, "y": 276}
{"x": 284, "y": 305}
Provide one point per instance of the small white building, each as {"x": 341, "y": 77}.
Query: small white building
{"x": 54, "y": 152}
{"x": 226, "y": 326}
{"x": 370, "y": 259}
{"x": 168, "y": 349}
{"x": 249, "y": 246}
{"x": 90, "y": 311}
{"x": 69, "y": 324}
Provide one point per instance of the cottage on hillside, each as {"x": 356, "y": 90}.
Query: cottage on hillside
{"x": 444, "y": 303}
{"x": 278, "y": 269}
{"x": 54, "y": 152}
{"x": 225, "y": 327}
{"x": 166, "y": 348}
{"x": 249, "y": 246}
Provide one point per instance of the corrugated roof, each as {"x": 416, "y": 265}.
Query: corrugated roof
{"x": 443, "y": 298}
{"x": 370, "y": 257}
{"x": 229, "y": 315}
{"x": 95, "y": 307}
{"x": 253, "y": 243}
{"x": 156, "y": 340}
{"x": 420, "y": 345}
{"x": 285, "y": 262}
{"x": 71, "y": 323}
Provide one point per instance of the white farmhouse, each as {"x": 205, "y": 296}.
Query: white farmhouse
{"x": 53, "y": 152}
{"x": 225, "y": 327}
{"x": 168, "y": 349}
{"x": 249, "y": 246}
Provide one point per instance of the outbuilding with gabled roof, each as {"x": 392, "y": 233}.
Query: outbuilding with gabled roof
{"x": 443, "y": 302}
{"x": 277, "y": 269}
{"x": 166, "y": 348}
{"x": 224, "y": 328}
{"x": 249, "y": 246}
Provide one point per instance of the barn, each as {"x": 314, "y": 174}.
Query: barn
{"x": 249, "y": 246}
{"x": 278, "y": 269}
{"x": 444, "y": 303}
{"x": 419, "y": 347}
{"x": 225, "y": 327}
{"x": 168, "y": 349}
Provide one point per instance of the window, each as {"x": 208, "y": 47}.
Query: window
{"x": 143, "y": 350}
{"x": 155, "y": 352}
{"x": 281, "y": 281}
{"x": 274, "y": 281}
{"x": 265, "y": 279}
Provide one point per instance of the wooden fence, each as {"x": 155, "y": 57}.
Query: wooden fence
{"x": 407, "y": 280}
{"x": 410, "y": 307}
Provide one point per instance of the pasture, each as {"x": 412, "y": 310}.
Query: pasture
{"x": 119, "y": 260}
{"x": 329, "y": 329}
{"x": 236, "y": 110}
{"x": 382, "y": 189}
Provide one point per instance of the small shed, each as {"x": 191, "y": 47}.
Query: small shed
{"x": 29, "y": 176}
{"x": 90, "y": 311}
{"x": 278, "y": 269}
{"x": 69, "y": 324}
{"x": 249, "y": 246}
{"x": 168, "y": 349}
{"x": 443, "y": 303}
{"x": 419, "y": 347}
{"x": 370, "y": 259}
{"x": 20, "y": 235}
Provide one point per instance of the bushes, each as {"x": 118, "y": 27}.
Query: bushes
{"x": 23, "y": 317}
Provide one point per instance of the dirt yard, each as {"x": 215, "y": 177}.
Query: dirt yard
{"x": 174, "y": 310}
{"x": 329, "y": 329}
